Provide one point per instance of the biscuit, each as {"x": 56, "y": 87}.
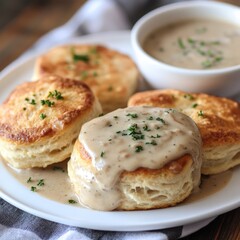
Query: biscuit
{"x": 111, "y": 75}
{"x": 218, "y": 120}
{"x": 40, "y": 121}
{"x": 126, "y": 177}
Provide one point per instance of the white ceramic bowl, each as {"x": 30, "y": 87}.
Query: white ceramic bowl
{"x": 222, "y": 81}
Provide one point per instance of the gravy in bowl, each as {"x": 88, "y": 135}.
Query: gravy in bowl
{"x": 196, "y": 44}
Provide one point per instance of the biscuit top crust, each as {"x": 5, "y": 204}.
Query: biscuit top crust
{"x": 132, "y": 138}
{"x": 109, "y": 73}
{"x": 35, "y": 110}
{"x": 218, "y": 119}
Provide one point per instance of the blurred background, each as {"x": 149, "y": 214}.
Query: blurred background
{"x": 23, "y": 22}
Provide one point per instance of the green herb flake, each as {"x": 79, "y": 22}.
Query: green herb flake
{"x": 207, "y": 64}
{"x": 29, "y": 180}
{"x": 194, "y": 105}
{"x": 57, "y": 168}
{"x": 188, "y": 96}
{"x": 180, "y": 43}
{"x": 42, "y": 116}
{"x": 55, "y": 94}
{"x": 157, "y": 136}
{"x": 71, "y": 201}
{"x": 135, "y": 132}
{"x": 200, "y": 113}
{"x": 146, "y": 128}
{"x": 153, "y": 142}
{"x": 33, "y": 189}
{"x": 24, "y": 109}
{"x": 33, "y": 102}
{"x": 218, "y": 59}
{"x": 102, "y": 154}
{"x": 161, "y": 120}
{"x": 191, "y": 41}
{"x": 132, "y": 115}
{"x": 41, "y": 182}
{"x": 79, "y": 57}
{"x": 138, "y": 149}
{"x": 150, "y": 118}
{"x": 47, "y": 102}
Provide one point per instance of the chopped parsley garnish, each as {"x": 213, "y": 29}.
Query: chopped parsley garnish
{"x": 138, "y": 149}
{"x": 180, "y": 43}
{"x": 42, "y": 115}
{"x": 41, "y": 182}
{"x": 95, "y": 74}
{"x": 102, "y": 154}
{"x": 150, "y": 118}
{"x": 116, "y": 117}
{"x": 157, "y": 136}
{"x": 135, "y": 132}
{"x": 47, "y": 102}
{"x": 207, "y": 49}
{"x": 80, "y": 57}
{"x": 191, "y": 41}
{"x": 153, "y": 142}
{"x": 32, "y": 101}
{"x": 194, "y": 105}
{"x": 29, "y": 180}
{"x": 24, "y": 109}
{"x": 71, "y": 201}
{"x": 161, "y": 120}
{"x": 56, "y": 94}
{"x": 146, "y": 128}
{"x": 200, "y": 113}
{"x": 33, "y": 189}
{"x": 57, "y": 168}
{"x": 132, "y": 115}
{"x": 188, "y": 96}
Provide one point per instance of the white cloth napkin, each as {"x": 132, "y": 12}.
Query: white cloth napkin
{"x": 94, "y": 16}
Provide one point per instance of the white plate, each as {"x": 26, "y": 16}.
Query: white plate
{"x": 15, "y": 193}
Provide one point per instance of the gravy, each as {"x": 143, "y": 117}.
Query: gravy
{"x": 196, "y": 44}
{"x": 128, "y": 139}
{"x": 57, "y": 186}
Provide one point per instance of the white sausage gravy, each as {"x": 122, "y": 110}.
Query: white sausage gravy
{"x": 128, "y": 139}
{"x": 196, "y": 44}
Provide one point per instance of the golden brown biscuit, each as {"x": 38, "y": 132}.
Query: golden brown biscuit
{"x": 111, "y": 75}
{"x": 218, "y": 120}
{"x": 40, "y": 121}
{"x": 128, "y": 163}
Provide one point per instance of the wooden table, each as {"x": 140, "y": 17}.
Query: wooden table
{"x": 22, "y": 26}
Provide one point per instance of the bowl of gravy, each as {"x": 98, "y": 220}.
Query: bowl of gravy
{"x": 190, "y": 46}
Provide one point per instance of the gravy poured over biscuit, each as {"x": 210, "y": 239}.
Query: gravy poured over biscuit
{"x": 129, "y": 139}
